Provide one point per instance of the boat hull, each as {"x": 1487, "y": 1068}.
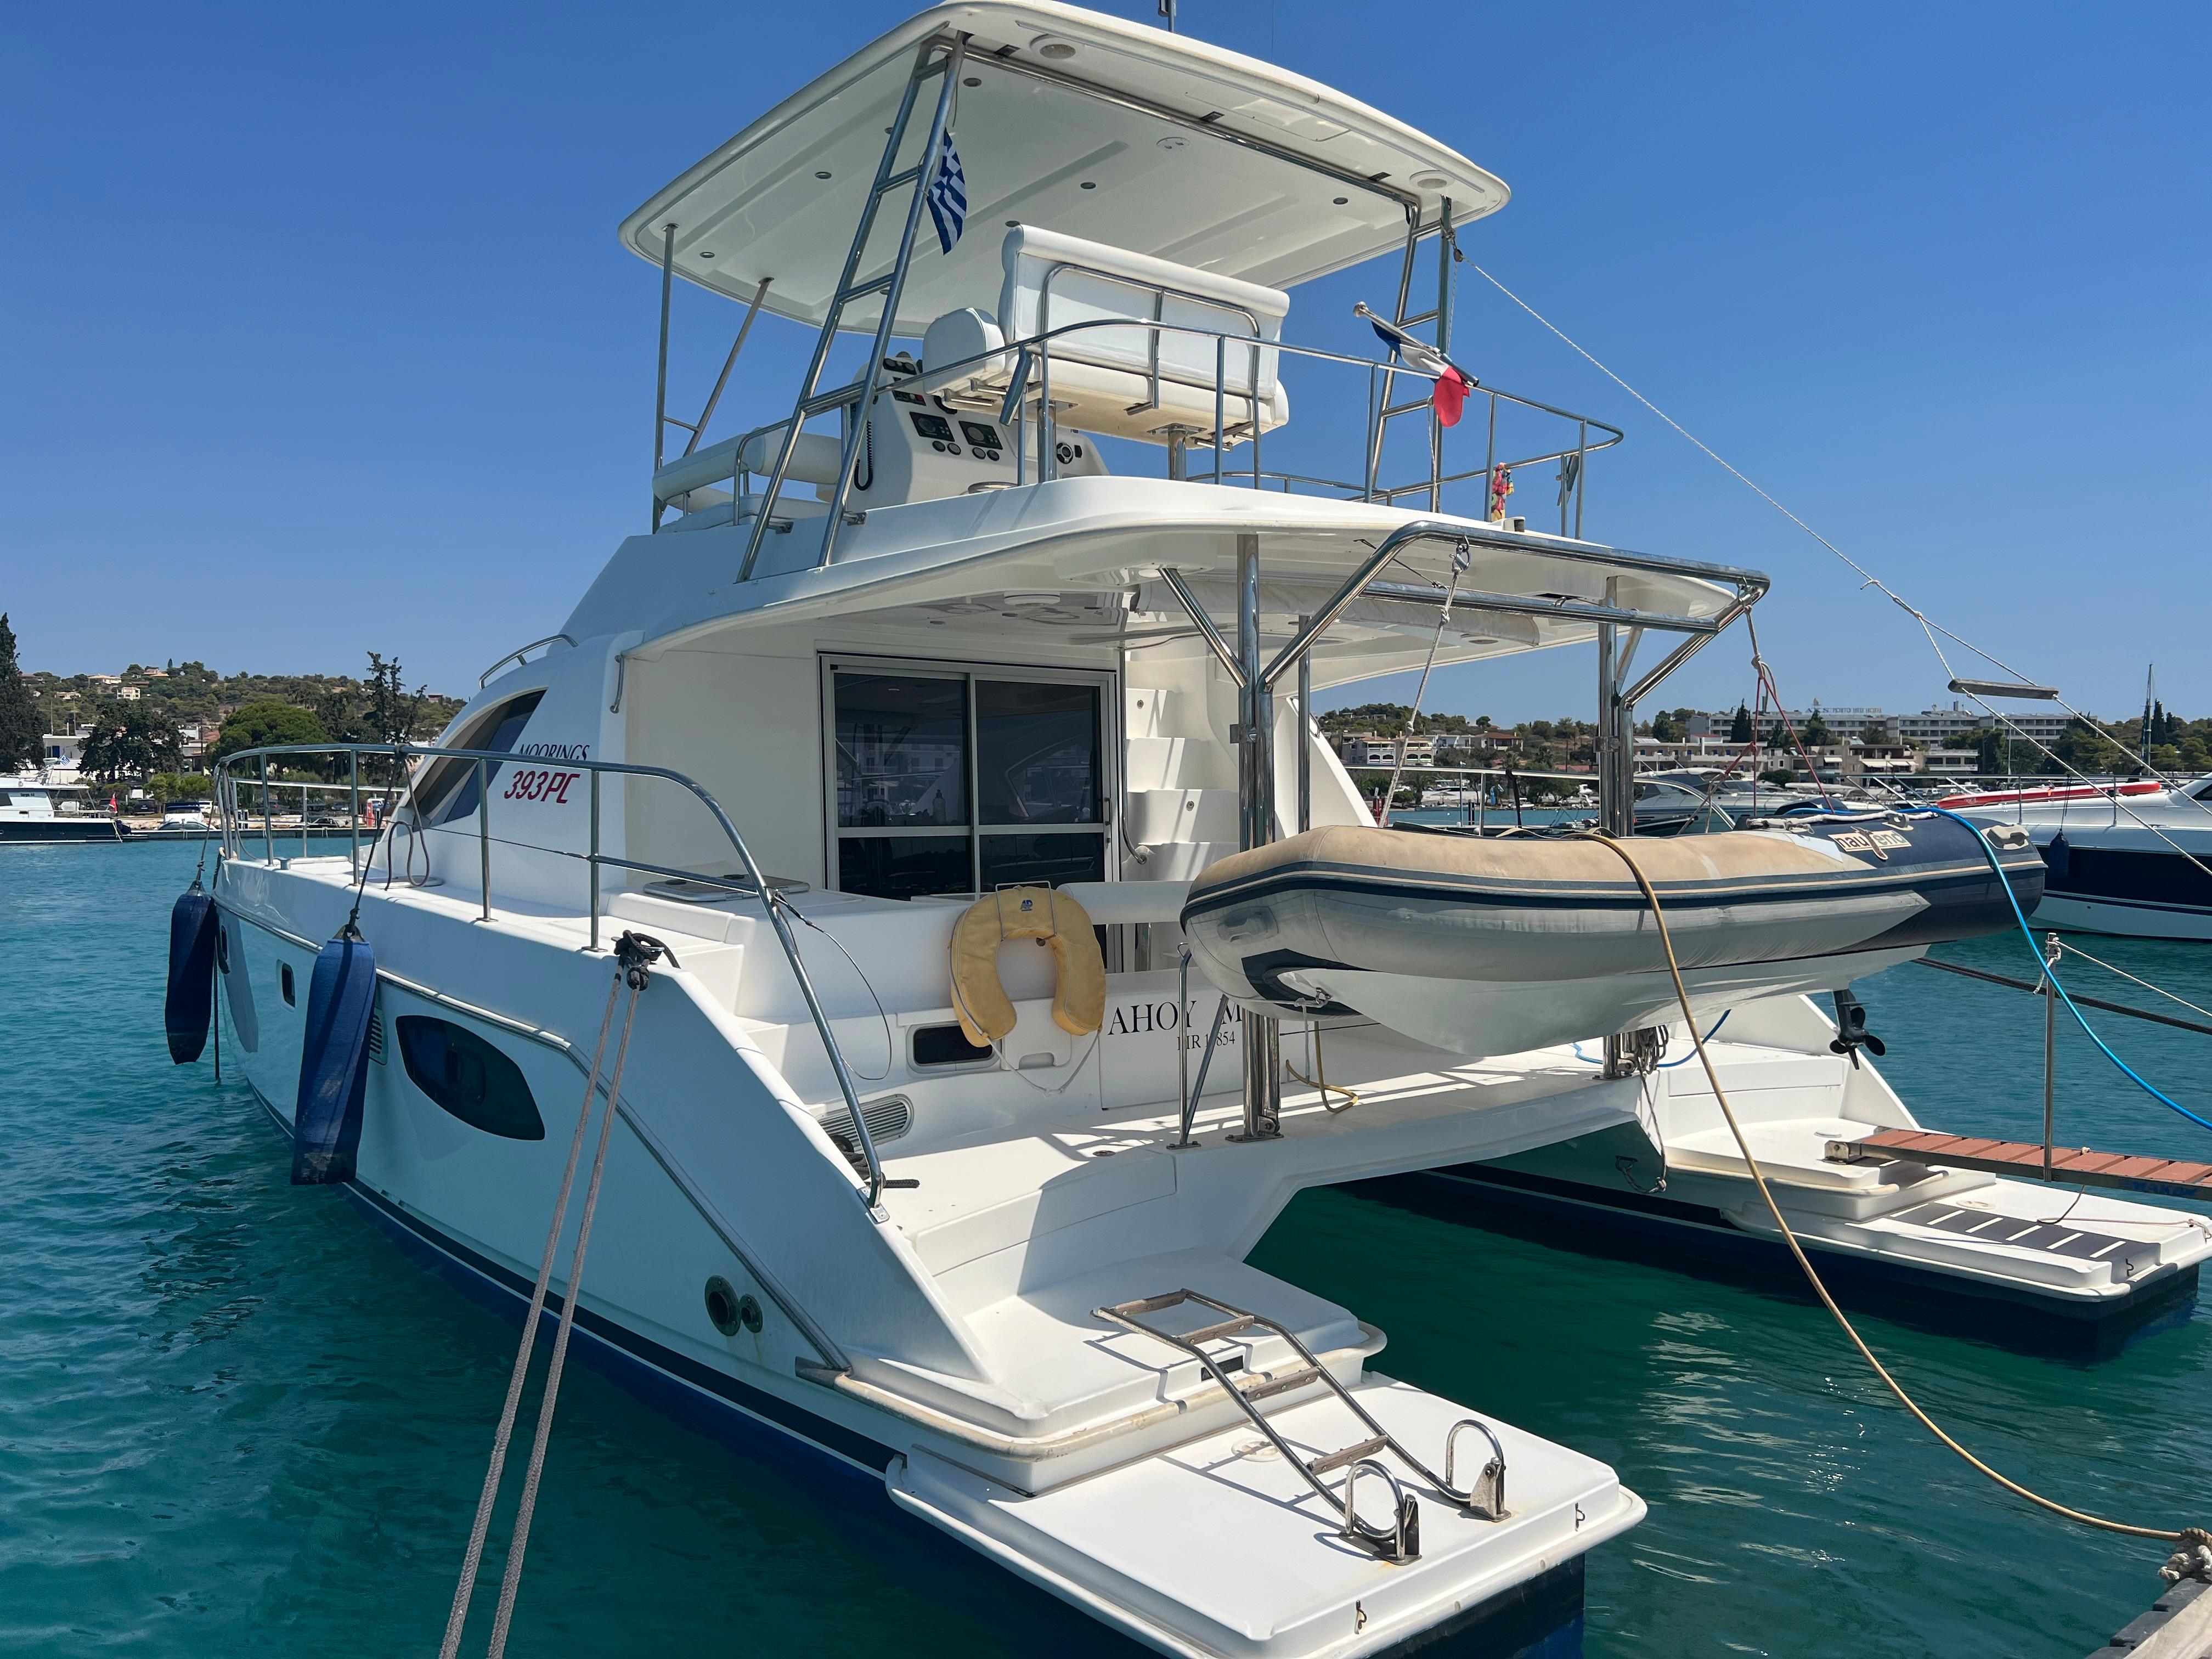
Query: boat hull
{"x": 1494, "y": 947}
{"x": 60, "y": 832}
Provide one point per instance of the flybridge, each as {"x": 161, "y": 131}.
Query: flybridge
{"x": 1117, "y": 215}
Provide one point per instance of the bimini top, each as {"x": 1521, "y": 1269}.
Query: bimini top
{"x": 1068, "y": 120}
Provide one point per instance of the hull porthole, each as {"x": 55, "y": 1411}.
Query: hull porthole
{"x": 730, "y": 1312}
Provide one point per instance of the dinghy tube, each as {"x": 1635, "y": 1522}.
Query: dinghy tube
{"x": 334, "y": 1064}
{"x": 191, "y": 1001}
{"x": 1494, "y": 945}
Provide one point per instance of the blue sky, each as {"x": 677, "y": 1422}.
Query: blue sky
{"x": 318, "y": 338}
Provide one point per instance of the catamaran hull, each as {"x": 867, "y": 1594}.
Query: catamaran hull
{"x": 1070, "y": 1541}
{"x": 1492, "y": 946}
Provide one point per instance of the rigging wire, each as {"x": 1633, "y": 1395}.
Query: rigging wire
{"x": 1929, "y": 626}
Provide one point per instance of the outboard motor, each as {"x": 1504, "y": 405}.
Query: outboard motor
{"x": 1851, "y": 1033}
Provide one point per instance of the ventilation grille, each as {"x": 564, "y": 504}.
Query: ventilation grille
{"x": 887, "y": 1120}
{"x": 376, "y": 1037}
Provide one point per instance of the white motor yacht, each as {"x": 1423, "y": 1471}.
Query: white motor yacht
{"x": 902, "y": 730}
{"x": 37, "y": 813}
{"x": 2127, "y": 857}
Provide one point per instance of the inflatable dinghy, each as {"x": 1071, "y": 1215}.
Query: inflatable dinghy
{"x": 1496, "y": 945}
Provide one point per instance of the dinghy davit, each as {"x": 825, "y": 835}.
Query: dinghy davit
{"x": 1488, "y": 946}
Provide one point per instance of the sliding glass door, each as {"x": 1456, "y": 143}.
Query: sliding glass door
{"x": 954, "y": 780}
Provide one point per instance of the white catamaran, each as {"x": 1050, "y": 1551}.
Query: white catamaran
{"x": 904, "y": 729}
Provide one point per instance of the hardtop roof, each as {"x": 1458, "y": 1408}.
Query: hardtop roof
{"x": 1070, "y": 120}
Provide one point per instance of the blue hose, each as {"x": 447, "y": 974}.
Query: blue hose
{"x": 1666, "y": 1065}
{"x": 2028, "y": 933}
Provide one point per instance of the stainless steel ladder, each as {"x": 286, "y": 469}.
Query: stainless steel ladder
{"x": 860, "y": 394}
{"x": 1483, "y": 1496}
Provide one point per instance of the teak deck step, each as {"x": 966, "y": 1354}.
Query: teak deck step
{"x": 2077, "y": 1165}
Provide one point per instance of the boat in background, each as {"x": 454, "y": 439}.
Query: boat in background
{"x": 2131, "y": 858}
{"x": 37, "y": 814}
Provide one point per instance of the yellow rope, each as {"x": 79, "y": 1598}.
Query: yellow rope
{"x": 1327, "y": 1088}
{"x": 1674, "y": 968}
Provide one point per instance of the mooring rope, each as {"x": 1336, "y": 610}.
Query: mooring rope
{"x": 634, "y": 975}
{"x": 465, "y": 1590}
{"x": 2187, "y": 1536}
{"x": 634, "y": 952}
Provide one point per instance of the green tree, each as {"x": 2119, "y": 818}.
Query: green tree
{"x": 130, "y": 740}
{"x": 1816, "y": 734}
{"x": 1667, "y": 727}
{"x": 1778, "y": 775}
{"x": 261, "y": 725}
{"x": 19, "y": 716}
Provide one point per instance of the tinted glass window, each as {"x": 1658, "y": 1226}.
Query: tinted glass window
{"x": 449, "y": 791}
{"x": 1054, "y": 859}
{"x": 946, "y": 1045}
{"x": 469, "y": 1078}
{"x": 903, "y": 867}
{"x": 1036, "y": 752}
{"x": 901, "y": 751}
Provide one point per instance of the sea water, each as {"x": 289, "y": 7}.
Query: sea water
{"x": 235, "y": 1419}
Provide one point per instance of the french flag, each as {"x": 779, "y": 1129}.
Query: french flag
{"x": 1453, "y": 383}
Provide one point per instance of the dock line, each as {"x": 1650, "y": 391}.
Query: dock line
{"x": 2190, "y": 1537}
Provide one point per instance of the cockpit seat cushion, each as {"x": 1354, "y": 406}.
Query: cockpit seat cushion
{"x": 986, "y": 1013}
{"x": 1102, "y": 380}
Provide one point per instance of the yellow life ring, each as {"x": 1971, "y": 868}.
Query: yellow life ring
{"x": 987, "y": 1013}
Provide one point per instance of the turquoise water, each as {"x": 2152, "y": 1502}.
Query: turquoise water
{"x": 233, "y": 1418}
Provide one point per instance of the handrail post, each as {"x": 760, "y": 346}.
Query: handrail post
{"x": 1220, "y": 402}
{"x": 353, "y": 797}
{"x": 1582, "y": 475}
{"x": 268, "y": 829}
{"x": 483, "y": 834}
{"x": 2050, "y": 1046}
{"x": 1305, "y": 732}
{"x": 660, "y": 389}
{"x": 594, "y": 859}
{"x": 1182, "y": 1045}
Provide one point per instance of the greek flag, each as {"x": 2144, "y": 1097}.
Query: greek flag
{"x": 948, "y": 195}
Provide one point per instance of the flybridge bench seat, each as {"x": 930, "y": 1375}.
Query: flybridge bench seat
{"x": 1125, "y": 382}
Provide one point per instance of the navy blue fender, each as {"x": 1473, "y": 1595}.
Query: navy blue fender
{"x": 191, "y": 1001}
{"x": 333, "y": 1064}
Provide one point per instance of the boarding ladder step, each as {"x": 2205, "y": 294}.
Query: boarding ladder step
{"x": 1400, "y": 1540}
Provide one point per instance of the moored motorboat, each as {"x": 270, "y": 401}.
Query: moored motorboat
{"x": 1485, "y": 945}
{"x": 38, "y": 814}
{"x": 2131, "y": 858}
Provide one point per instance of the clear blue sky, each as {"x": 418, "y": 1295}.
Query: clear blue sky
{"x": 318, "y": 338}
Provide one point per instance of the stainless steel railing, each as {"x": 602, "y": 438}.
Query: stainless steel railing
{"x": 1031, "y": 358}
{"x": 409, "y": 763}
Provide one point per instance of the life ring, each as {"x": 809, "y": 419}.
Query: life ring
{"x": 986, "y": 1013}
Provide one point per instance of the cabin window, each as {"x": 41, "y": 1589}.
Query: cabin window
{"x": 469, "y": 1078}
{"x": 448, "y": 789}
{"x": 951, "y": 780}
{"x": 284, "y": 983}
{"x": 946, "y": 1045}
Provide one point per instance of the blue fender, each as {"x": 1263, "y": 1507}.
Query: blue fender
{"x": 333, "y": 1064}
{"x": 191, "y": 1001}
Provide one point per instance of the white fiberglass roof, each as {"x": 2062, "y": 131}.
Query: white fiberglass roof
{"x": 1070, "y": 120}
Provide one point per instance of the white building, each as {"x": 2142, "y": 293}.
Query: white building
{"x": 1367, "y": 750}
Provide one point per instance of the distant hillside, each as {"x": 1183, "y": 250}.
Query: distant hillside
{"x": 191, "y": 692}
